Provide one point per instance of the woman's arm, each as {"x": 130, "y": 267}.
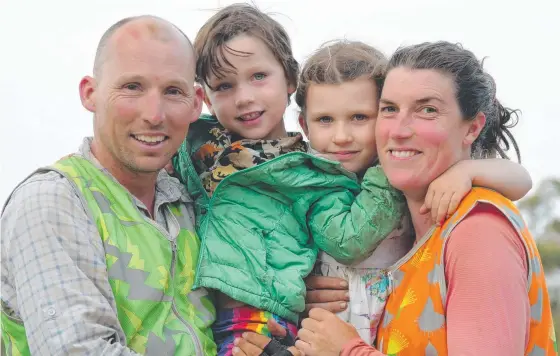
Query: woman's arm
{"x": 486, "y": 273}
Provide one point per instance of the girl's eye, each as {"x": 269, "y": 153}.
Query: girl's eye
{"x": 325, "y": 119}
{"x": 360, "y": 117}
{"x": 259, "y": 76}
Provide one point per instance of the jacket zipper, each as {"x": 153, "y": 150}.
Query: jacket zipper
{"x": 190, "y": 329}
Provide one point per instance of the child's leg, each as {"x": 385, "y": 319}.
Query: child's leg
{"x": 232, "y": 323}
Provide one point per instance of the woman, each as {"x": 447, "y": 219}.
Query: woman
{"x": 475, "y": 285}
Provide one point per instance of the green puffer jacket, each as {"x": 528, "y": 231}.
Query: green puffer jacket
{"x": 262, "y": 227}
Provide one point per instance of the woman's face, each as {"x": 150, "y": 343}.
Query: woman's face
{"x": 420, "y": 130}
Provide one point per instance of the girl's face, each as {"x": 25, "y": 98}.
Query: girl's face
{"x": 340, "y": 122}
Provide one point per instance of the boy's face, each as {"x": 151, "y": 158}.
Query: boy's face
{"x": 252, "y": 100}
{"x": 340, "y": 122}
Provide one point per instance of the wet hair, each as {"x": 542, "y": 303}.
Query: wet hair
{"x": 341, "y": 61}
{"x": 211, "y": 46}
{"x": 475, "y": 92}
{"x": 101, "y": 47}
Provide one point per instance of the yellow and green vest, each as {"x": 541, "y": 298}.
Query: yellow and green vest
{"x": 150, "y": 272}
{"x": 414, "y": 320}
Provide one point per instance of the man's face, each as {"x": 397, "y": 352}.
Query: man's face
{"x": 143, "y": 98}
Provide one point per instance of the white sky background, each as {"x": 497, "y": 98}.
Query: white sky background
{"x": 47, "y": 46}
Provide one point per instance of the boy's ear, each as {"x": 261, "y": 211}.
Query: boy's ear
{"x": 303, "y": 124}
{"x": 207, "y": 102}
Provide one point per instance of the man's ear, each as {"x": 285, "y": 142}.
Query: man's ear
{"x": 303, "y": 124}
{"x": 88, "y": 86}
{"x": 475, "y": 127}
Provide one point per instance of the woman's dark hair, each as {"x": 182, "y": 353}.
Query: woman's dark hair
{"x": 475, "y": 92}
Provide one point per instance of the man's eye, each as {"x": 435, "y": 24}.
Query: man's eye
{"x": 174, "y": 91}
{"x": 132, "y": 86}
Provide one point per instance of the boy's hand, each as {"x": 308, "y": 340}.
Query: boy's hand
{"x": 446, "y": 192}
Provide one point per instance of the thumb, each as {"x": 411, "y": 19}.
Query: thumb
{"x": 276, "y": 329}
{"x": 424, "y": 209}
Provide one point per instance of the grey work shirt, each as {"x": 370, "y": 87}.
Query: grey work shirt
{"x": 54, "y": 273}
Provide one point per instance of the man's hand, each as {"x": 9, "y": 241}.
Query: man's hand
{"x": 328, "y": 293}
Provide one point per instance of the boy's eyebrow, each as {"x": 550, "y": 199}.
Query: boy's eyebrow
{"x": 386, "y": 101}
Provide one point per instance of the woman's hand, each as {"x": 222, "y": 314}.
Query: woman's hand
{"x": 328, "y": 293}
{"x": 324, "y": 334}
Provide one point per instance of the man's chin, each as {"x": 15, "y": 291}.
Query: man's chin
{"x": 147, "y": 165}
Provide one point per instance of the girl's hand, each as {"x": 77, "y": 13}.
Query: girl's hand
{"x": 446, "y": 192}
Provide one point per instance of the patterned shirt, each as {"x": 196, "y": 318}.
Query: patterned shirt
{"x": 54, "y": 274}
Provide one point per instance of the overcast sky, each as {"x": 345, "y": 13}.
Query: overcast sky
{"x": 47, "y": 46}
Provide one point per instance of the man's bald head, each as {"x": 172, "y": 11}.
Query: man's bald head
{"x": 143, "y": 26}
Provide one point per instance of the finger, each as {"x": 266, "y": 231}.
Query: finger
{"x": 453, "y": 204}
{"x": 325, "y": 296}
{"x": 304, "y": 347}
{"x": 310, "y": 325}
{"x": 319, "y": 314}
{"x": 424, "y": 209}
{"x": 295, "y": 351}
{"x": 322, "y": 282}
{"x": 436, "y": 202}
{"x": 243, "y": 347}
{"x": 333, "y": 307}
{"x": 428, "y": 200}
{"x": 305, "y": 335}
{"x": 443, "y": 208}
{"x": 276, "y": 329}
{"x": 256, "y": 339}
{"x": 238, "y": 352}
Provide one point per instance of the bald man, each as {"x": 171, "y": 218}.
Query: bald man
{"x": 98, "y": 251}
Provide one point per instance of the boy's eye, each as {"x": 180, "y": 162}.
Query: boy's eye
{"x": 325, "y": 119}
{"x": 388, "y": 109}
{"x": 223, "y": 86}
{"x": 259, "y": 76}
{"x": 360, "y": 117}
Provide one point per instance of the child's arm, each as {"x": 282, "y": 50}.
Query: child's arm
{"x": 446, "y": 192}
{"x": 349, "y": 227}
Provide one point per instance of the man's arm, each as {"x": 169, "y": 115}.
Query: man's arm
{"x": 53, "y": 263}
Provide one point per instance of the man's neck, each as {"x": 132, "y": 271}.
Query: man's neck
{"x": 140, "y": 185}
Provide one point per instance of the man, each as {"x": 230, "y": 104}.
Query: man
{"x": 98, "y": 251}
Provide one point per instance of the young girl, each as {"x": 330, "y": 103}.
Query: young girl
{"x": 338, "y": 94}
{"x": 264, "y": 204}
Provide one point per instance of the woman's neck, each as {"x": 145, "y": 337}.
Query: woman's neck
{"x": 421, "y": 222}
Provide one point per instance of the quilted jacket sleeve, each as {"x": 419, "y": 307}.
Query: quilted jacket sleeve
{"x": 349, "y": 227}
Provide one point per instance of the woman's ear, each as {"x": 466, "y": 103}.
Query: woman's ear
{"x": 475, "y": 127}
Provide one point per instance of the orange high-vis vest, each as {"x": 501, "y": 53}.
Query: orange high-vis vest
{"x": 414, "y": 319}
